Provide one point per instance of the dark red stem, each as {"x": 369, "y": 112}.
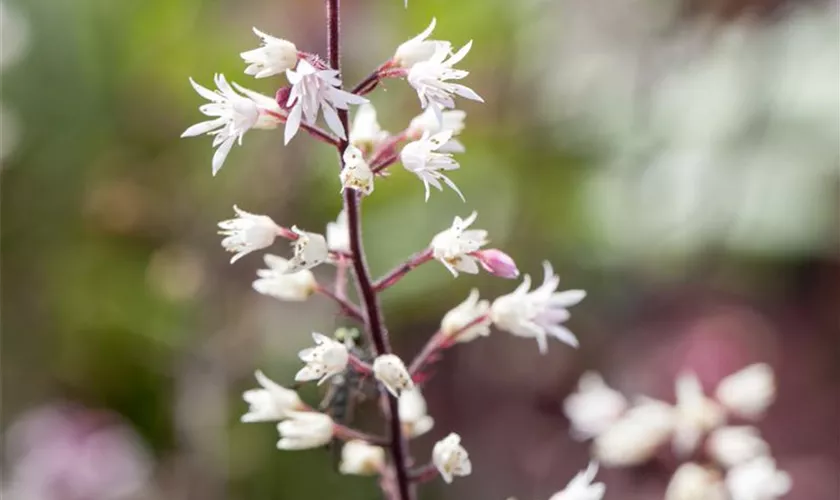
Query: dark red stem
{"x": 398, "y": 272}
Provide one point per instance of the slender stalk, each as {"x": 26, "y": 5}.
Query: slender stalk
{"x": 313, "y": 130}
{"x": 369, "y": 297}
{"x": 398, "y": 272}
{"x": 346, "y": 306}
{"x": 424, "y": 473}
{"x": 347, "y": 434}
{"x": 439, "y": 341}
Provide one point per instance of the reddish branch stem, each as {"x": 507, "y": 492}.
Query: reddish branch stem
{"x": 398, "y": 272}
{"x": 313, "y": 130}
{"x": 439, "y": 342}
{"x": 347, "y": 434}
{"x": 346, "y": 306}
{"x": 374, "y": 322}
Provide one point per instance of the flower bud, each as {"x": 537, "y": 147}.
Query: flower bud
{"x": 390, "y": 370}
{"x": 273, "y": 58}
{"x": 498, "y": 263}
{"x": 304, "y": 429}
{"x": 361, "y": 458}
{"x": 356, "y": 173}
{"x": 472, "y": 310}
{"x": 414, "y": 414}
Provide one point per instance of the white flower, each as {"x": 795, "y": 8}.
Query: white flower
{"x": 450, "y": 458}
{"x": 234, "y": 115}
{"x": 338, "y": 234}
{"x": 314, "y": 90}
{"x": 749, "y": 392}
{"x": 326, "y": 359}
{"x": 731, "y": 446}
{"x": 696, "y": 414}
{"x": 360, "y": 458}
{"x": 693, "y": 482}
{"x": 390, "y": 370}
{"x": 581, "y": 487}
{"x": 310, "y": 249}
{"x": 539, "y": 313}
{"x": 454, "y": 323}
{"x": 418, "y": 49}
{"x": 757, "y": 479}
{"x": 594, "y": 407}
{"x": 414, "y": 414}
{"x": 453, "y": 246}
{"x": 429, "y": 79}
{"x": 636, "y": 436}
{"x": 356, "y": 173}
{"x": 365, "y": 132}
{"x": 272, "y": 402}
{"x": 247, "y": 232}
{"x": 274, "y": 57}
{"x": 278, "y": 283}
{"x": 304, "y": 429}
{"x": 422, "y": 159}
{"x": 427, "y": 122}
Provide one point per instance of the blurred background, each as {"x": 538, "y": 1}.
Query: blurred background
{"x": 677, "y": 159}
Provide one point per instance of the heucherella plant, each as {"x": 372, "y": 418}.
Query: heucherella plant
{"x": 345, "y": 361}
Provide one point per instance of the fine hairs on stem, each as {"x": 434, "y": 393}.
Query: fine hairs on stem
{"x": 346, "y": 360}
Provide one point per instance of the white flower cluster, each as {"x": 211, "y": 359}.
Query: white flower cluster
{"x": 739, "y": 463}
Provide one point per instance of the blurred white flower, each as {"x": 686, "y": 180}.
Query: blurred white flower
{"x": 390, "y": 370}
{"x": 338, "y": 235}
{"x": 427, "y": 122}
{"x": 304, "y": 429}
{"x": 636, "y": 436}
{"x": 234, "y": 115}
{"x": 271, "y": 402}
{"x": 356, "y": 173}
{"x": 360, "y": 458}
{"x": 274, "y": 57}
{"x": 450, "y": 458}
{"x": 594, "y": 407}
{"x": 453, "y": 246}
{"x": 365, "y": 132}
{"x": 695, "y": 414}
{"x": 454, "y": 323}
{"x": 581, "y": 486}
{"x": 730, "y": 446}
{"x": 757, "y": 479}
{"x": 421, "y": 157}
{"x": 418, "y": 49}
{"x": 310, "y": 249}
{"x": 429, "y": 79}
{"x": 748, "y": 392}
{"x": 314, "y": 90}
{"x": 247, "y": 233}
{"x": 326, "y": 359}
{"x": 537, "y": 314}
{"x": 414, "y": 414}
{"x": 277, "y": 282}
{"x": 694, "y": 482}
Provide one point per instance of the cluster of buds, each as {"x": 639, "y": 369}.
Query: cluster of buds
{"x": 425, "y": 148}
{"x": 729, "y": 458}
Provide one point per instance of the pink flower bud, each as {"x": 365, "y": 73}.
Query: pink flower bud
{"x": 497, "y": 263}
{"x": 282, "y": 97}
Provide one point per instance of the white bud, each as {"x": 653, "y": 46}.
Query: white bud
{"x": 304, "y": 429}
{"x": 390, "y": 370}
{"x": 749, "y": 392}
{"x": 414, "y": 413}
{"x": 310, "y": 250}
{"x": 274, "y": 57}
{"x": 757, "y": 479}
{"x": 338, "y": 234}
{"x": 326, "y": 359}
{"x": 454, "y": 323}
{"x": 356, "y": 173}
{"x": 271, "y": 402}
{"x": 693, "y": 482}
{"x": 636, "y": 436}
{"x": 450, "y": 458}
{"x": 730, "y": 446}
{"x": 594, "y": 407}
{"x": 277, "y": 282}
{"x": 361, "y": 458}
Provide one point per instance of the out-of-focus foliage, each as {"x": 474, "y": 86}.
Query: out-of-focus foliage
{"x": 677, "y": 160}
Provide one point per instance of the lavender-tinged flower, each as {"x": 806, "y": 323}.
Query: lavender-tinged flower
{"x": 418, "y": 49}
{"x": 365, "y": 132}
{"x": 427, "y": 122}
{"x": 304, "y": 429}
{"x": 314, "y": 90}
{"x": 422, "y": 158}
{"x": 326, "y": 359}
{"x": 247, "y": 233}
{"x": 356, "y": 173}
{"x": 450, "y": 458}
{"x": 429, "y": 79}
{"x": 537, "y": 314}
{"x": 234, "y": 115}
{"x": 594, "y": 408}
{"x": 454, "y": 246}
{"x": 390, "y": 370}
{"x": 271, "y": 402}
{"x": 274, "y": 57}
{"x": 310, "y": 249}
{"x": 454, "y": 323}
{"x": 277, "y": 282}
{"x": 581, "y": 486}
